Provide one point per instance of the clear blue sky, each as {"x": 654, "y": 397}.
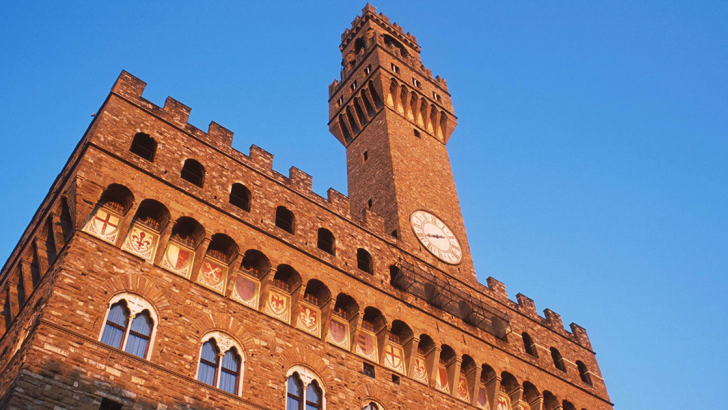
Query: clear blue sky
{"x": 591, "y": 156}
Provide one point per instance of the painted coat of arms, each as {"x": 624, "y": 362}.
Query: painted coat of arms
{"x": 366, "y": 345}
{"x": 338, "y": 333}
{"x": 278, "y": 305}
{"x": 212, "y": 274}
{"x": 246, "y": 291}
{"x": 503, "y": 403}
{"x": 142, "y": 242}
{"x": 308, "y": 319}
{"x": 419, "y": 370}
{"x": 394, "y": 357}
{"x": 482, "y": 401}
{"x": 178, "y": 259}
{"x": 441, "y": 382}
{"x": 104, "y": 224}
{"x": 462, "y": 390}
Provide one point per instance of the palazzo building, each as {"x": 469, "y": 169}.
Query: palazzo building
{"x": 166, "y": 270}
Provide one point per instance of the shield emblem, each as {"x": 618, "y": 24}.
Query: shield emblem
{"x": 278, "y": 306}
{"x": 441, "y": 379}
{"x": 308, "y": 319}
{"x": 212, "y": 274}
{"x": 366, "y": 345}
{"x": 104, "y": 225}
{"x": 502, "y": 403}
{"x": 141, "y": 242}
{"x": 393, "y": 357}
{"x": 178, "y": 259}
{"x": 419, "y": 370}
{"x": 462, "y": 387}
{"x": 482, "y": 399}
{"x": 339, "y": 333}
{"x": 245, "y": 289}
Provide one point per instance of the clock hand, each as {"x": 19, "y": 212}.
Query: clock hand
{"x": 431, "y": 235}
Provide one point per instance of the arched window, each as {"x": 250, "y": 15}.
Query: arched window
{"x": 558, "y": 360}
{"x": 285, "y": 219}
{"x": 326, "y": 240}
{"x": 130, "y": 325}
{"x": 528, "y": 344}
{"x": 144, "y": 146}
{"x": 240, "y": 197}
{"x": 303, "y": 390}
{"x": 364, "y": 261}
{"x": 220, "y": 363}
{"x": 583, "y": 372}
{"x": 193, "y": 172}
{"x": 372, "y": 406}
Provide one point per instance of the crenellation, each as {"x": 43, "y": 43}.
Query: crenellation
{"x": 553, "y": 320}
{"x": 498, "y": 288}
{"x": 261, "y": 159}
{"x": 177, "y": 112}
{"x": 128, "y": 86}
{"x": 300, "y": 181}
{"x": 526, "y": 306}
{"x": 580, "y": 335}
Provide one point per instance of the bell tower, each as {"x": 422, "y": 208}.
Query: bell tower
{"x": 395, "y": 120}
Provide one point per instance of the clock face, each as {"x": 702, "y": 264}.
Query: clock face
{"x": 436, "y": 237}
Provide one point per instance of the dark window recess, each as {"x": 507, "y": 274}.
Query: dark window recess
{"x": 395, "y": 379}
{"x": 365, "y": 156}
{"x": 240, "y": 197}
{"x": 193, "y": 172}
{"x": 364, "y": 260}
{"x": 395, "y": 69}
{"x": 368, "y": 370}
{"x": 395, "y": 234}
{"x": 558, "y": 360}
{"x": 417, "y": 133}
{"x": 369, "y": 204}
{"x": 284, "y": 219}
{"x": 368, "y": 69}
{"x": 326, "y": 240}
{"x": 144, "y": 146}
{"x": 528, "y": 344}
{"x": 107, "y": 404}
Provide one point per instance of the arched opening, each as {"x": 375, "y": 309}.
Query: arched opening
{"x": 317, "y": 293}
{"x": 222, "y": 248}
{"x": 344, "y": 129}
{"x": 326, "y": 241}
{"x": 285, "y": 219}
{"x": 240, "y": 197}
{"x": 550, "y": 402}
{"x": 567, "y": 405}
{"x": 509, "y": 384}
{"x": 426, "y": 345}
{"x": 363, "y": 119}
{"x": 396, "y": 278}
{"x": 188, "y": 232}
{"x": 389, "y": 41}
{"x": 143, "y": 237}
{"x": 375, "y": 97}
{"x": 367, "y": 105}
{"x": 255, "y": 263}
{"x": 152, "y": 214}
{"x": 530, "y": 394}
{"x": 583, "y": 372}
{"x": 50, "y": 242}
{"x": 466, "y": 379}
{"x": 345, "y": 306}
{"x": 528, "y": 344}
{"x": 364, "y": 261}
{"x": 144, "y": 146}
{"x": 373, "y": 319}
{"x": 401, "y": 333}
{"x": 193, "y": 172}
{"x": 354, "y": 125}
{"x": 558, "y": 360}
{"x": 358, "y": 46}
{"x": 117, "y": 197}
{"x": 67, "y": 225}
{"x": 286, "y": 278}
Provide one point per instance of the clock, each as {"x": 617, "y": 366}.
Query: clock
{"x": 436, "y": 237}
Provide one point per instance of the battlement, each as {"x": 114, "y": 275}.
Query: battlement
{"x": 177, "y": 114}
{"x": 369, "y": 12}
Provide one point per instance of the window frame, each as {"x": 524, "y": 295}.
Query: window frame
{"x": 307, "y": 377}
{"x": 135, "y": 305}
{"x": 224, "y": 343}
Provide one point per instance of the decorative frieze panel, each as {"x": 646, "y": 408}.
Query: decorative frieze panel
{"x": 461, "y": 392}
{"x": 104, "y": 224}
{"x": 366, "y": 345}
{"x": 213, "y": 274}
{"x": 394, "y": 357}
{"x": 278, "y": 305}
{"x": 178, "y": 258}
{"x": 309, "y": 319}
{"x": 441, "y": 382}
{"x": 246, "y": 290}
{"x": 142, "y": 241}
{"x": 419, "y": 370}
{"x": 339, "y": 332}
{"x": 482, "y": 399}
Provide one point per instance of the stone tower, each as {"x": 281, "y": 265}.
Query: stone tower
{"x": 395, "y": 120}
{"x": 166, "y": 270}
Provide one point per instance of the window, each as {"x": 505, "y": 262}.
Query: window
{"x": 107, "y": 404}
{"x": 395, "y": 234}
{"x": 326, "y": 240}
{"x": 368, "y": 69}
{"x": 240, "y": 197}
{"x": 340, "y": 101}
{"x": 220, "y": 370}
{"x": 395, "y": 378}
{"x": 364, "y": 260}
{"x": 558, "y": 360}
{"x": 528, "y": 344}
{"x": 365, "y": 156}
{"x": 416, "y": 82}
{"x": 395, "y": 69}
{"x": 353, "y": 86}
{"x": 193, "y": 172}
{"x": 144, "y": 146}
{"x": 436, "y": 96}
{"x": 368, "y": 370}
{"x": 417, "y": 133}
{"x": 369, "y": 204}
{"x": 129, "y": 325}
{"x": 284, "y": 219}
{"x": 371, "y": 406}
{"x": 304, "y": 390}
{"x": 583, "y": 372}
